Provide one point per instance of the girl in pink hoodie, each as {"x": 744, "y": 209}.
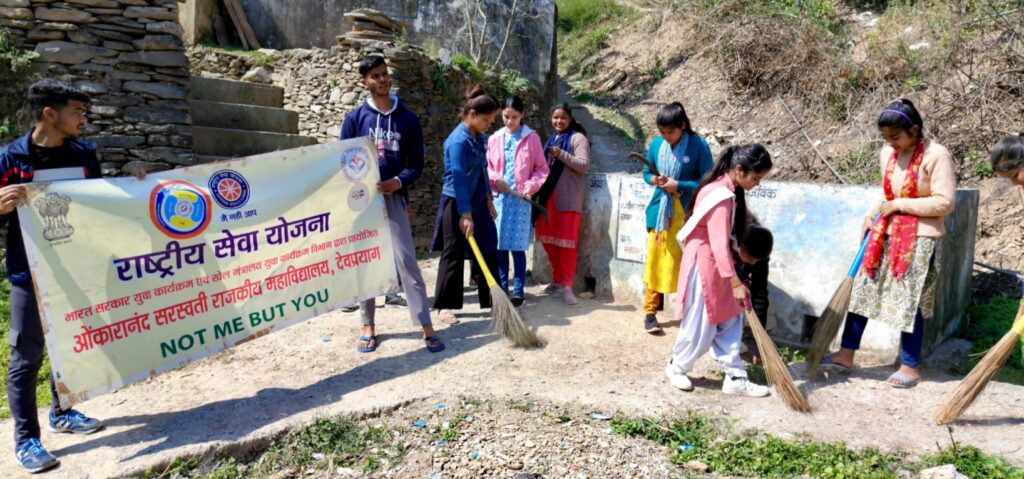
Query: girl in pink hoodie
{"x": 517, "y": 168}
{"x": 710, "y": 297}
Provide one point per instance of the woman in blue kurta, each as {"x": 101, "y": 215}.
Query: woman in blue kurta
{"x": 682, "y": 158}
{"x": 517, "y": 169}
{"x": 466, "y": 208}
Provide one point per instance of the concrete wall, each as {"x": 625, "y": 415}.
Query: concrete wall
{"x": 815, "y": 228}
{"x": 283, "y": 24}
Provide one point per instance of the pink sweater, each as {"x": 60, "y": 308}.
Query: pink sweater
{"x": 936, "y": 188}
{"x": 531, "y": 168}
{"x": 709, "y": 247}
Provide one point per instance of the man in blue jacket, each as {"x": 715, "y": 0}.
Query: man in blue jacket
{"x": 52, "y": 151}
{"x": 398, "y": 136}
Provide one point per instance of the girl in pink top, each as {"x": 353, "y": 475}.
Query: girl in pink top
{"x": 711, "y": 298}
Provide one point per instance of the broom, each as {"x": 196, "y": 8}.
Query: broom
{"x": 970, "y": 388}
{"x": 506, "y": 319}
{"x": 835, "y": 313}
{"x": 775, "y": 368}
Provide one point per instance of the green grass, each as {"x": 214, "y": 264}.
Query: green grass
{"x": 469, "y": 66}
{"x": 697, "y": 437}
{"x": 988, "y": 323}
{"x": 584, "y": 28}
{"x": 42, "y": 381}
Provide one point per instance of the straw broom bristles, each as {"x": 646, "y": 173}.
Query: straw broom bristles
{"x": 961, "y": 398}
{"x": 507, "y": 321}
{"x": 828, "y": 326}
{"x": 775, "y": 368}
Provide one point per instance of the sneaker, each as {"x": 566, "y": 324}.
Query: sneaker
{"x": 552, "y": 288}
{"x": 517, "y": 299}
{"x": 570, "y": 299}
{"x": 739, "y": 386}
{"x": 395, "y": 300}
{"x": 678, "y": 379}
{"x": 33, "y": 457}
{"x": 350, "y": 308}
{"x": 74, "y": 422}
{"x": 651, "y": 324}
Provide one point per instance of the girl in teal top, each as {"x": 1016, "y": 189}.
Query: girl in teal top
{"x": 682, "y": 158}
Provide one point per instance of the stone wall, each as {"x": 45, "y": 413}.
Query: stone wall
{"x": 323, "y": 85}
{"x": 127, "y": 54}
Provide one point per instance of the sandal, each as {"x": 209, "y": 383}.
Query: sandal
{"x": 899, "y": 380}
{"x": 434, "y": 348}
{"x": 447, "y": 316}
{"x": 371, "y": 344}
{"x": 828, "y": 364}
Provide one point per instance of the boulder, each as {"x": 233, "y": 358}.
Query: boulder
{"x": 160, "y": 90}
{"x": 64, "y": 15}
{"x": 69, "y": 53}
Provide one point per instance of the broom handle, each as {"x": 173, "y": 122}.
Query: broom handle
{"x": 480, "y": 260}
{"x": 860, "y": 253}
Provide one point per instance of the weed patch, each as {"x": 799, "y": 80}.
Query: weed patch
{"x": 986, "y": 325}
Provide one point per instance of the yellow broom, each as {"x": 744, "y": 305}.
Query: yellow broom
{"x": 506, "y": 319}
{"x": 834, "y": 315}
{"x": 961, "y": 398}
{"x": 775, "y": 368}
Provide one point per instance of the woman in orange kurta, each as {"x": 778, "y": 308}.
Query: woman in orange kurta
{"x": 711, "y": 298}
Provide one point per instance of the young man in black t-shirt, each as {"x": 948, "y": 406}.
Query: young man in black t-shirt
{"x": 52, "y": 151}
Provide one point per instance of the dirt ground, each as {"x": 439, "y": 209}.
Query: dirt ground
{"x": 597, "y": 357}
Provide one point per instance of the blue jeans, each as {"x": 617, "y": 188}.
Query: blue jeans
{"x": 519, "y": 262}
{"x": 910, "y": 343}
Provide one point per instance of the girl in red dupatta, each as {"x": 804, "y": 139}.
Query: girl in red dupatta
{"x": 896, "y": 283}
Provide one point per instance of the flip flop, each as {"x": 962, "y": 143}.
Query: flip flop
{"x": 372, "y": 340}
{"x": 899, "y": 380}
{"x": 447, "y": 317}
{"x": 828, "y": 364}
{"x": 434, "y": 349}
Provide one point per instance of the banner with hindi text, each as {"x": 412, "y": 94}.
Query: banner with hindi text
{"x": 134, "y": 278}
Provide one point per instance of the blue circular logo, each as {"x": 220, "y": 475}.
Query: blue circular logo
{"x": 179, "y": 209}
{"x": 229, "y": 189}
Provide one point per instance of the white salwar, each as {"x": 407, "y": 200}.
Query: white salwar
{"x": 697, "y": 335}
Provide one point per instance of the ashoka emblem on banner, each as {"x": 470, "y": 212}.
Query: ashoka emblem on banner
{"x": 53, "y": 207}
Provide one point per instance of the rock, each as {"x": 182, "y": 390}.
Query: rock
{"x": 150, "y": 167}
{"x": 696, "y": 466}
{"x": 14, "y": 3}
{"x": 152, "y": 13}
{"x": 90, "y": 68}
{"x": 91, "y": 88}
{"x": 118, "y": 46}
{"x": 137, "y": 3}
{"x": 118, "y": 141}
{"x": 111, "y": 35}
{"x": 108, "y": 111}
{"x": 158, "y": 59}
{"x": 258, "y": 75}
{"x": 170, "y": 28}
{"x": 64, "y": 27}
{"x": 349, "y": 97}
{"x": 158, "y": 42}
{"x": 83, "y": 37}
{"x": 947, "y": 471}
{"x": 124, "y": 75}
{"x": 155, "y": 115}
{"x": 160, "y": 90}
{"x": 64, "y": 15}
{"x": 69, "y": 53}
{"x": 45, "y": 35}
{"x": 174, "y": 156}
{"x": 16, "y": 13}
{"x": 96, "y": 3}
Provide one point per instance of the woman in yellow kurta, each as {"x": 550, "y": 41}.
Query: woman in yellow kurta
{"x": 681, "y": 158}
